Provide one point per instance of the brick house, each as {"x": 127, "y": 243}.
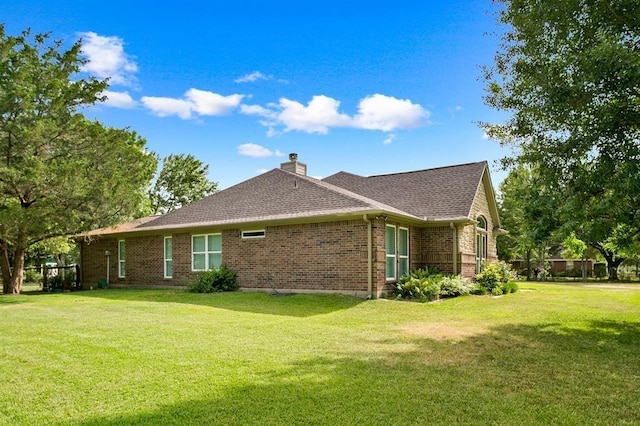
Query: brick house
{"x": 286, "y": 231}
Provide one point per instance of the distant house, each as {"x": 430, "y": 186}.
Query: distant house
{"x": 286, "y": 231}
{"x": 558, "y": 266}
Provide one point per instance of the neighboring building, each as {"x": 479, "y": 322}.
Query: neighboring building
{"x": 286, "y": 231}
{"x": 557, "y": 266}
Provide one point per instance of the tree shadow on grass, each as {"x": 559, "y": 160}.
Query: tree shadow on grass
{"x": 512, "y": 374}
{"x": 11, "y": 299}
{"x": 295, "y": 305}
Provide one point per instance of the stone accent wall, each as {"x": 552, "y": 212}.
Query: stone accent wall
{"x": 467, "y": 242}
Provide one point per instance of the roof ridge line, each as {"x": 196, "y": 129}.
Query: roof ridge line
{"x": 426, "y": 170}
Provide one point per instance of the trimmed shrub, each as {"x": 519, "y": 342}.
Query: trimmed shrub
{"x": 214, "y": 281}
{"x": 495, "y": 276}
{"x": 510, "y": 287}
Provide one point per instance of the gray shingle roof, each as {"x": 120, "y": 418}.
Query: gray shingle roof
{"x": 443, "y": 193}
{"x": 277, "y": 194}
{"x": 440, "y": 193}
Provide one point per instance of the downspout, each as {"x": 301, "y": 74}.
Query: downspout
{"x": 369, "y": 255}
{"x": 454, "y": 230}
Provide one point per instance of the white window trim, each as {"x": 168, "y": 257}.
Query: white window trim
{"x": 246, "y": 234}
{"x": 394, "y": 255}
{"x": 206, "y": 252}
{"x": 398, "y": 250}
{"x": 121, "y": 260}
{"x": 166, "y": 259}
{"x": 482, "y": 241}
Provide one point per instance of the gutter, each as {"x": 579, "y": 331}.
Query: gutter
{"x": 454, "y": 230}
{"x": 369, "y": 255}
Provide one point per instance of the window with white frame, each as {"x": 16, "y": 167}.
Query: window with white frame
{"x": 397, "y": 250}
{"x": 390, "y": 247}
{"x": 403, "y": 251}
{"x": 168, "y": 257}
{"x": 206, "y": 252}
{"x": 121, "y": 252}
{"x": 481, "y": 243}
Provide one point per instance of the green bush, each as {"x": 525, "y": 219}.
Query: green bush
{"x": 420, "y": 274}
{"x": 55, "y": 282}
{"x": 494, "y": 275}
{"x": 32, "y": 276}
{"x": 455, "y": 286}
{"x": 510, "y": 287}
{"x": 69, "y": 277}
{"x": 423, "y": 290}
{"x": 216, "y": 280}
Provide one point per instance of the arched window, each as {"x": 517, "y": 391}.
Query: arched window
{"x": 482, "y": 223}
{"x": 481, "y": 243}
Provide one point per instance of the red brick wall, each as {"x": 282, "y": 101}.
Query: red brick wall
{"x": 144, "y": 261}
{"x": 439, "y": 249}
{"x": 329, "y": 256}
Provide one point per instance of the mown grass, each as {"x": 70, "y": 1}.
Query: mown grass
{"x": 549, "y": 354}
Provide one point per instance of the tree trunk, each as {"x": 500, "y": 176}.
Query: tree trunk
{"x": 613, "y": 261}
{"x": 543, "y": 248}
{"x": 5, "y": 267}
{"x": 12, "y": 278}
{"x": 612, "y": 267}
{"x": 17, "y": 277}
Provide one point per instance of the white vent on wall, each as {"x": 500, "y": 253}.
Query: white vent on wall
{"x": 253, "y": 234}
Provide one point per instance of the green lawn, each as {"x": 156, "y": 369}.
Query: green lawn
{"x": 549, "y": 354}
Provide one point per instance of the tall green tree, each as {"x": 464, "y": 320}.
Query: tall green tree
{"x": 183, "y": 179}
{"x": 569, "y": 74}
{"x": 60, "y": 173}
{"x": 528, "y": 210}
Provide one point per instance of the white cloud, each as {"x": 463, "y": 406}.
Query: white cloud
{"x": 459, "y": 108}
{"x": 195, "y": 102}
{"x": 209, "y": 103}
{"x": 164, "y": 107}
{"x": 320, "y": 113}
{"x": 261, "y": 171}
{"x": 376, "y": 112}
{"x": 386, "y": 113}
{"x": 118, "y": 100}
{"x": 257, "y": 110}
{"x": 389, "y": 139}
{"x": 258, "y": 151}
{"x": 107, "y": 59}
{"x": 252, "y": 77}
{"x": 316, "y": 117}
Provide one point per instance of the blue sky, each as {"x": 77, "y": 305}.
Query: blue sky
{"x": 367, "y": 87}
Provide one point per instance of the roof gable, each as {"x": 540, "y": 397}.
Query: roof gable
{"x": 436, "y": 194}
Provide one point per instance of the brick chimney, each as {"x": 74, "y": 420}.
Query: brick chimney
{"x": 294, "y": 166}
